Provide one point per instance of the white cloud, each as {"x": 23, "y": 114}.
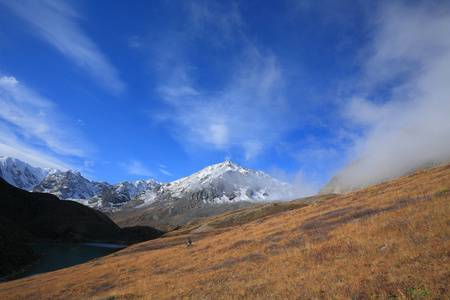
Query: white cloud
{"x": 135, "y": 42}
{"x": 33, "y": 157}
{"x": 228, "y": 156}
{"x": 214, "y": 21}
{"x": 410, "y": 55}
{"x": 249, "y": 111}
{"x": 218, "y": 134}
{"x": 56, "y": 23}
{"x": 165, "y": 172}
{"x": 136, "y": 167}
{"x": 244, "y": 109}
{"x": 248, "y": 114}
{"x": 88, "y": 163}
{"x": 5, "y": 80}
{"x": 252, "y": 148}
{"x": 30, "y": 121}
{"x": 303, "y": 185}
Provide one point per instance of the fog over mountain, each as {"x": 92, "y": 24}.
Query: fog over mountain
{"x": 404, "y": 97}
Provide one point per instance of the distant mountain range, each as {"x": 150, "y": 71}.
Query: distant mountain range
{"x": 217, "y": 184}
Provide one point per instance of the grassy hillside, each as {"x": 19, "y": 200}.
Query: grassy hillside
{"x": 385, "y": 241}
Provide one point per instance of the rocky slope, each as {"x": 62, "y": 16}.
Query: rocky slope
{"x": 70, "y": 185}
{"x": 21, "y": 174}
{"x": 120, "y": 193}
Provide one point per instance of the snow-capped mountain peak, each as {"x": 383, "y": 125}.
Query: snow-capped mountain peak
{"x": 21, "y": 174}
{"x": 221, "y": 183}
{"x": 208, "y": 174}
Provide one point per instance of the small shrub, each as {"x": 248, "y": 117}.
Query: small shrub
{"x": 254, "y": 257}
{"x": 225, "y": 264}
{"x": 297, "y": 242}
{"x": 372, "y": 190}
{"x": 238, "y": 244}
{"x": 419, "y": 170}
{"x": 275, "y": 249}
{"x": 418, "y": 293}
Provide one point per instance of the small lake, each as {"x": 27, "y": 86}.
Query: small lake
{"x": 59, "y": 256}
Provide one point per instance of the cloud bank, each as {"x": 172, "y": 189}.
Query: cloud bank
{"x": 402, "y": 108}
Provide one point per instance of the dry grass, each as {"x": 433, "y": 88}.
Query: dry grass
{"x": 388, "y": 241}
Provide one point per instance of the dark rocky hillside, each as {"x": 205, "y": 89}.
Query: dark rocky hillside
{"x": 27, "y": 217}
{"x": 15, "y": 252}
{"x": 44, "y": 216}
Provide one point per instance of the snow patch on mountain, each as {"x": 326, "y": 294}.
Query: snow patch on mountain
{"x": 122, "y": 192}
{"x": 217, "y": 184}
{"x": 70, "y": 185}
{"x": 21, "y": 174}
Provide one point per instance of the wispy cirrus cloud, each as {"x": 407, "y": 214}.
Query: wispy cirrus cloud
{"x": 32, "y": 124}
{"x": 56, "y": 23}
{"x": 165, "y": 172}
{"x": 136, "y": 167}
{"x": 244, "y": 108}
{"x": 30, "y": 155}
{"x": 249, "y": 113}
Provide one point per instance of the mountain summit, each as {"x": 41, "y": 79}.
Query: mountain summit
{"x": 228, "y": 181}
{"x": 221, "y": 183}
{"x": 217, "y": 188}
{"x": 21, "y": 174}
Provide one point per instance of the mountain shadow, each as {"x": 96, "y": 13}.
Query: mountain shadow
{"x": 45, "y": 216}
{"x": 27, "y": 217}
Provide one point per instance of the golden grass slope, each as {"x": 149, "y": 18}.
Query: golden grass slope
{"x": 389, "y": 241}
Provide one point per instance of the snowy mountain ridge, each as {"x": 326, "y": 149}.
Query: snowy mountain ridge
{"x": 70, "y": 185}
{"x": 21, "y": 174}
{"x": 221, "y": 183}
{"x": 120, "y": 193}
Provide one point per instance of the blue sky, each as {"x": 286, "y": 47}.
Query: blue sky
{"x": 128, "y": 90}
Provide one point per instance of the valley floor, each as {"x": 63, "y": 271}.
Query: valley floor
{"x": 382, "y": 242}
